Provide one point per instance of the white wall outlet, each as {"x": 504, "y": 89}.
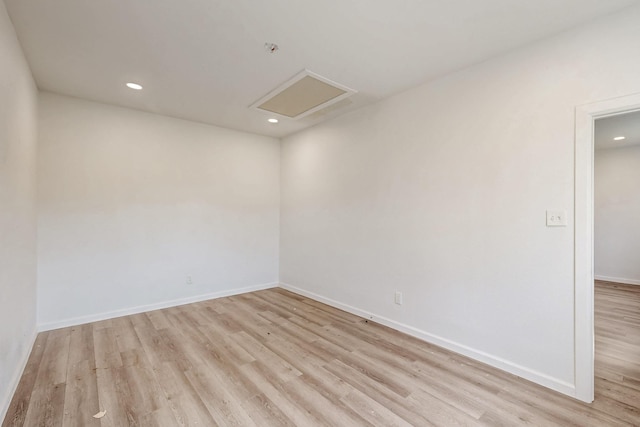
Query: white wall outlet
{"x": 556, "y": 218}
{"x": 398, "y": 298}
{"x": 189, "y": 281}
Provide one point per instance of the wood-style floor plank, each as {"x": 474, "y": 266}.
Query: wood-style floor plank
{"x": 20, "y": 403}
{"x": 274, "y": 358}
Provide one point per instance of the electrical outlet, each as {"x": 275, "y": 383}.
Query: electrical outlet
{"x": 398, "y": 298}
{"x": 189, "y": 281}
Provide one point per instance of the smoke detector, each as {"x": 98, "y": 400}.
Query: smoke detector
{"x": 271, "y": 47}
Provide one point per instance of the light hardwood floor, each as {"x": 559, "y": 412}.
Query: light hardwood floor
{"x": 273, "y": 358}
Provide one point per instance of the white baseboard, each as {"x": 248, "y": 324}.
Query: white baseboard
{"x": 149, "y": 307}
{"x": 497, "y": 362}
{"x": 17, "y": 375}
{"x": 618, "y": 280}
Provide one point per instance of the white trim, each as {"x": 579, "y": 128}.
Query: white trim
{"x": 583, "y": 244}
{"x": 497, "y": 362}
{"x": 618, "y": 280}
{"x": 17, "y": 375}
{"x": 149, "y": 307}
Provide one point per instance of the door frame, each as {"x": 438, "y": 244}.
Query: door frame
{"x": 586, "y": 116}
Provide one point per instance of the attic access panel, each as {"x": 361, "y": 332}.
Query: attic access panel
{"x": 302, "y": 95}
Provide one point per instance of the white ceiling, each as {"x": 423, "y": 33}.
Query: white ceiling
{"x": 204, "y": 60}
{"x": 627, "y": 125}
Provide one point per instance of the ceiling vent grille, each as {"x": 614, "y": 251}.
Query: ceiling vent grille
{"x": 302, "y": 95}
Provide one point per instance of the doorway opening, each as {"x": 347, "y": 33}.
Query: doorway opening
{"x": 584, "y": 276}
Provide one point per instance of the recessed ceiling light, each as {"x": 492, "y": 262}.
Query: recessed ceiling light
{"x": 134, "y": 86}
{"x": 619, "y": 138}
{"x": 273, "y": 120}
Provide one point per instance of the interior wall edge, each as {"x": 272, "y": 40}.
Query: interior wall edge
{"x": 75, "y": 321}
{"x": 494, "y": 361}
{"x": 17, "y": 375}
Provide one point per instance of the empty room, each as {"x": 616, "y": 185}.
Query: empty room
{"x": 342, "y": 213}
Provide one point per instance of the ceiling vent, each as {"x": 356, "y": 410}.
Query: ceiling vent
{"x": 302, "y": 95}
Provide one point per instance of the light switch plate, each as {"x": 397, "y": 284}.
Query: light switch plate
{"x": 398, "y": 298}
{"x": 556, "y": 218}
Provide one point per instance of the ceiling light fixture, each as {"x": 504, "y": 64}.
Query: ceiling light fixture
{"x": 619, "y": 138}
{"x": 134, "y": 86}
{"x": 273, "y": 120}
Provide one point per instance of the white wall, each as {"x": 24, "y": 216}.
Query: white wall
{"x": 132, "y": 203}
{"x": 18, "y": 133}
{"x": 440, "y": 192}
{"x": 617, "y": 214}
